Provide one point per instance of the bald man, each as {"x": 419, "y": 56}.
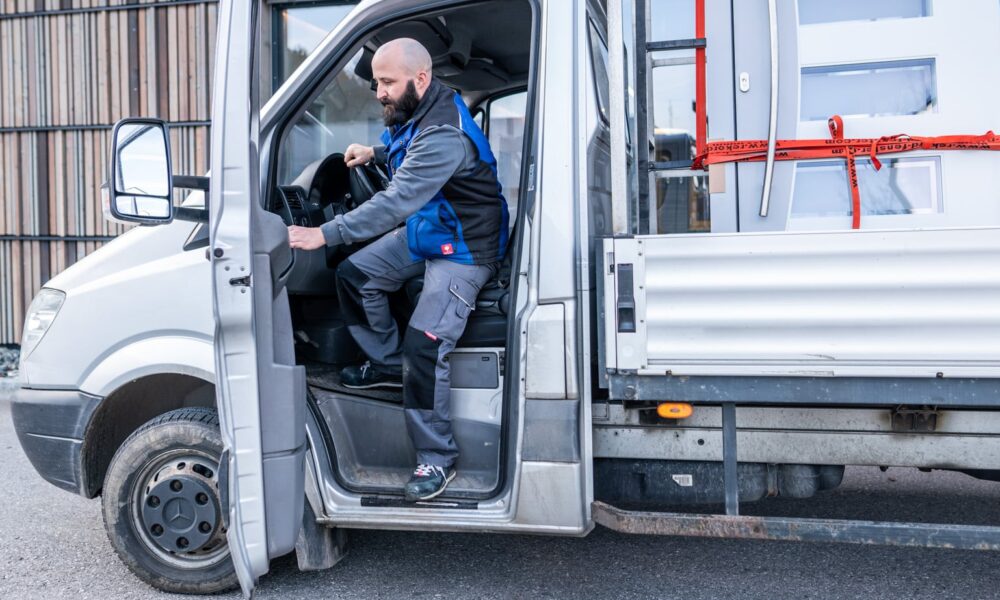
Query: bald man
{"x": 444, "y": 184}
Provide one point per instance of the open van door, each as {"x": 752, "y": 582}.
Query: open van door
{"x": 260, "y": 391}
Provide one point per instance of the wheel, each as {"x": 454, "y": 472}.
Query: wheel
{"x": 161, "y": 504}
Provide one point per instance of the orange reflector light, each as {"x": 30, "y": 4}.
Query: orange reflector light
{"x": 674, "y": 410}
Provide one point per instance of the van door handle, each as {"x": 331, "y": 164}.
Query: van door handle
{"x": 772, "y": 122}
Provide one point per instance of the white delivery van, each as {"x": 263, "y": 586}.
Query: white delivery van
{"x": 660, "y": 336}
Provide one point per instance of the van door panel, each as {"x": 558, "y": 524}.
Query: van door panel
{"x": 260, "y": 392}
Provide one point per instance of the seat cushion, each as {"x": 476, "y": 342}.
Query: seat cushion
{"x": 487, "y": 326}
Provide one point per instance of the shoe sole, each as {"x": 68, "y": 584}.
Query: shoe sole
{"x": 372, "y": 385}
{"x": 437, "y": 493}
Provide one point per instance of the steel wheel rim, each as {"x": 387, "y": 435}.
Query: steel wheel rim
{"x": 173, "y": 464}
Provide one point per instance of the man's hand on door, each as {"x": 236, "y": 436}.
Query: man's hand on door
{"x": 305, "y": 238}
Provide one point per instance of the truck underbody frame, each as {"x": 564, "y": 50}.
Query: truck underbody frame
{"x": 923, "y": 535}
{"x": 734, "y": 525}
{"x": 814, "y": 391}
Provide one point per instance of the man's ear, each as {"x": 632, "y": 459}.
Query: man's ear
{"x": 423, "y": 80}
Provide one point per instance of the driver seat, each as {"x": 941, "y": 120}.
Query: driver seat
{"x": 487, "y": 325}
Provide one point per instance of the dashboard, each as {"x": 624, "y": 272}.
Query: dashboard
{"x": 321, "y": 191}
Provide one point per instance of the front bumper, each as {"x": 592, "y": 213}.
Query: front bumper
{"x": 50, "y": 425}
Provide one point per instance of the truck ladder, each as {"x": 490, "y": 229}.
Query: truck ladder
{"x": 648, "y": 167}
{"x": 648, "y": 170}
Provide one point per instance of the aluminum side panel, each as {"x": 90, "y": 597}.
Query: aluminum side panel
{"x": 891, "y": 303}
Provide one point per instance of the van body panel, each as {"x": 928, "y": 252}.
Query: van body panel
{"x": 147, "y": 286}
{"x": 152, "y": 356}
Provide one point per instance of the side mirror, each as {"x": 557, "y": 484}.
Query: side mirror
{"x": 140, "y": 183}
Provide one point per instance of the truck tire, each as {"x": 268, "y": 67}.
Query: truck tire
{"x": 162, "y": 508}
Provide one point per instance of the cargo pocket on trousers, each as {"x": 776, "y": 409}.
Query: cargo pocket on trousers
{"x": 461, "y": 303}
{"x": 466, "y": 294}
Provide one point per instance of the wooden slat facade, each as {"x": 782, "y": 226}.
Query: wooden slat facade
{"x": 68, "y": 70}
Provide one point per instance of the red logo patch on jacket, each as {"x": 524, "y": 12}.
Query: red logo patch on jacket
{"x": 447, "y": 249}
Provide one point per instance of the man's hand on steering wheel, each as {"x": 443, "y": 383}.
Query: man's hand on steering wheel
{"x": 305, "y": 238}
{"x": 357, "y": 155}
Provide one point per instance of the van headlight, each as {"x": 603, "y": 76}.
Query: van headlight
{"x": 41, "y": 313}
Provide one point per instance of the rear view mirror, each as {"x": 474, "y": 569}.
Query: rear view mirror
{"x": 140, "y": 183}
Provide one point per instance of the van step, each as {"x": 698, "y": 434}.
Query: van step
{"x": 925, "y": 535}
{"x": 399, "y": 502}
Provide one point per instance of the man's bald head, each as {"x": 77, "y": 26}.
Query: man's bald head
{"x": 406, "y": 53}
{"x": 402, "y": 71}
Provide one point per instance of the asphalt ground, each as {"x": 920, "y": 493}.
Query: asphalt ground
{"x": 53, "y": 545}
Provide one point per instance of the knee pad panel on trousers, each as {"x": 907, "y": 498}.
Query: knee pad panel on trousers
{"x": 420, "y": 357}
{"x": 350, "y": 280}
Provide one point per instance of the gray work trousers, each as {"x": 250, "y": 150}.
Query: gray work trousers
{"x": 447, "y": 300}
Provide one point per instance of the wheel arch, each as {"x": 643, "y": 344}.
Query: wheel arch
{"x": 126, "y": 409}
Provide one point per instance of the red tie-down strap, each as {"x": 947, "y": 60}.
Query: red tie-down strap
{"x": 840, "y": 147}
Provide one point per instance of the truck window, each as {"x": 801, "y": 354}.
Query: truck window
{"x": 344, "y": 112}
{"x": 298, "y": 30}
{"x": 506, "y": 133}
{"x": 824, "y": 11}
{"x": 599, "y": 56}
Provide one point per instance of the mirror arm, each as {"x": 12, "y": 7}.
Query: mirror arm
{"x": 188, "y": 213}
{"x": 191, "y": 182}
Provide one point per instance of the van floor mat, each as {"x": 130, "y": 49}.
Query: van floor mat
{"x": 327, "y": 377}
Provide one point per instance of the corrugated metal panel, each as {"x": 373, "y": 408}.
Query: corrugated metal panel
{"x": 890, "y": 303}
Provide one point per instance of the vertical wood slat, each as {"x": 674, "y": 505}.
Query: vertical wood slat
{"x": 173, "y": 113}
{"x": 16, "y": 291}
{"x": 85, "y": 69}
{"x": 182, "y": 34}
{"x": 191, "y": 84}
{"x": 15, "y": 68}
{"x": 114, "y": 60}
{"x": 124, "y": 63}
{"x": 6, "y": 314}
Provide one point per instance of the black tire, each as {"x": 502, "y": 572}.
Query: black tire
{"x": 182, "y": 445}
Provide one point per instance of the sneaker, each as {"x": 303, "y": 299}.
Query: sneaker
{"x": 427, "y": 482}
{"x": 366, "y": 376}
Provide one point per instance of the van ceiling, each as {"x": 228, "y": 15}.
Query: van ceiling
{"x": 477, "y": 49}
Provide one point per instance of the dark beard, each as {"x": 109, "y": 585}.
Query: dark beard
{"x": 397, "y": 112}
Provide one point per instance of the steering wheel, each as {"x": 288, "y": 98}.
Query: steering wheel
{"x": 365, "y": 182}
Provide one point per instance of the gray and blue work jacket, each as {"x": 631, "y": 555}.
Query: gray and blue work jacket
{"x": 443, "y": 181}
